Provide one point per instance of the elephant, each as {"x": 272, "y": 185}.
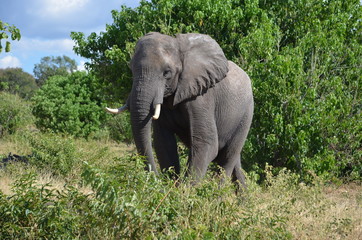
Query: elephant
{"x": 184, "y": 86}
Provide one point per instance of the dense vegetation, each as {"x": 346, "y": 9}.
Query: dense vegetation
{"x": 15, "y": 114}
{"x": 70, "y": 104}
{"x": 304, "y": 58}
{"x": 77, "y": 189}
{"x": 16, "y": 81}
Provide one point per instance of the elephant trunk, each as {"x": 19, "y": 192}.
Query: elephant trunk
{"x": 143, "y": 107}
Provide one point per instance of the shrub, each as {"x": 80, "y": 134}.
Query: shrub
{"x": 15, "y": 113}
{"x": 16, "y": 81}
{"x": 120, "y": 127}
{"x": 70, "y": 104}
{"x": 37, "y": 211}
{"x": 306, "y": 93}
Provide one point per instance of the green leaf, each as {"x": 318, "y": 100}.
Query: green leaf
{"x": 7, "y": 48}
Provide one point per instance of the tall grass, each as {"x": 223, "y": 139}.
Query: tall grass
{"x": 109, "y": 196}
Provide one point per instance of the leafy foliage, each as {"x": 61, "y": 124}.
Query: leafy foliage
{"x": 15, "y": 113}
{"x": 5, "y": 30}
{"x": 124, "y": 202}
{"x": 307, "y": 88}
{"x": 70, "y": 104}
{"x": 38, "y": 211}
{"x": 53, "y": 66}
{"x": 16, "y": 81}
{"x": 304, "y": 58}
{"x": 120, "y": 128}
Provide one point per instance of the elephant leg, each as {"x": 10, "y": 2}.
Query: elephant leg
{"x": 203, "y": 135}
{"x": 197, "y": 165}
{"x": 202, "y": 152}
{"x": 238, "y": 176}
{"x": 229, "y": 157}
{"x": 232, "y": 167}
{"x": 166, "y": 148}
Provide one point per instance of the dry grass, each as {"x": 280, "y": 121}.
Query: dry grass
{"x": 8, "y": 177}
{"x": 312, "y": 212}
{"x": 6, "y": 183}
{"x": 346, "y": 205}
{"x": 99, "y": 152}
{"x": 14, "y": 144}
{"x": 337, "y": 215}
{"x": 96, "y": 149}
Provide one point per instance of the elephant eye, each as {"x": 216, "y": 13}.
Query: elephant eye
{"x": 167, "y": 74}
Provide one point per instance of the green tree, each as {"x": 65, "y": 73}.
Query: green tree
{"x": 304, "y": 58}
{"x": 70, "y": 104}
{"x": 16, "y": 81}
{"x": 53, "y": 66}
{"x": 15, "y": 113}
{"x": 5, "y": 30}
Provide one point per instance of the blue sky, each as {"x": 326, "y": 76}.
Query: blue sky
{"x": 45, "y": 27}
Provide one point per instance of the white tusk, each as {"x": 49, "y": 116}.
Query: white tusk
{"x": 157, "y": 112}
{"x": 117, "y": 110}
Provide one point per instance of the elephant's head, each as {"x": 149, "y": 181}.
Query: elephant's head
{"x": 163, "y": 66}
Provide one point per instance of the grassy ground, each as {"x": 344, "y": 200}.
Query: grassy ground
{"x": 98, "y": 190}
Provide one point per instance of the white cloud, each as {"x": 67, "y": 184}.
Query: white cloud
{"x": 54, "y": 45}
{"x": 63, "y": 6}
{"x": 81, "y": 66}
{"x": 45, "y": 26}
{"x": 30, "y": 51}
{"x": 58, "y": 8}
{"x": 9, "y": 62}
{"x": 57, "y": 18}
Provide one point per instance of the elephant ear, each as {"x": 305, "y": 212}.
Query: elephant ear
{"x": 204, "y": 65}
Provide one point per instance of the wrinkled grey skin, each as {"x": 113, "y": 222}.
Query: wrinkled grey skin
{"x": 207, "y": 102}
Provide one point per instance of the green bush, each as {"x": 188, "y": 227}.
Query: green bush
{"x": 70, "y": 104}
{"x": 120, "y": 127}
{"x": 37, "y": 211}
{"x": 16, "y": 81}
{"x": 306, "y": 79}
{"x": 304, "y": 59}
{"x": 15, "y": 113}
